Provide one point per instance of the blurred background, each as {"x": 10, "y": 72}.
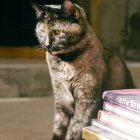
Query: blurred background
{"x": 22, "y": 64}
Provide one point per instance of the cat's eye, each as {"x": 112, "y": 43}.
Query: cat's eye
{"x": 62, "y": 33}
{"x": 42, "y": 32}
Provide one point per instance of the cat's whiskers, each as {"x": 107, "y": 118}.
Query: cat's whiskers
{"x": 38, "y": 48}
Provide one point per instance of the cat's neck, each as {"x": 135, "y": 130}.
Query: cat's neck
{"x": 71, "y": 56}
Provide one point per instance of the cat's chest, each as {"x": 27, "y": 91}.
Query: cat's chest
{"x": 61, "y": 69}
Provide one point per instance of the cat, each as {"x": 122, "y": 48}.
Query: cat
{"x": 80, "y": 67}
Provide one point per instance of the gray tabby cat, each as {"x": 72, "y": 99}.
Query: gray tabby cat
{"x": 81, "y": 69}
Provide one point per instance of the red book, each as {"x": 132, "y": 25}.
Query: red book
{"x": 129, "y": 98}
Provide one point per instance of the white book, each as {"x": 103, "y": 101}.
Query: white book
{"x": 112, "y": 130}
{"x": 122, "y": 111}
{"x": 120, "y": 123}
{"x": 96, "y": 133}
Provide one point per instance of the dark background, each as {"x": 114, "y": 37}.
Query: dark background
{"x": 18, "y": 21}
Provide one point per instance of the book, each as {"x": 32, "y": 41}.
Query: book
{"x": 119, "y": 110}
{"x": 119, "y": 123}
{"x": 108, "y": 128}
{"x": 129, "y": 98}
{"x": 96, "y": 133}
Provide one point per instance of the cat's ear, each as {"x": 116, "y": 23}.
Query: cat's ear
{"x": 40, "y": 9}
{"x": 69, "y": 8}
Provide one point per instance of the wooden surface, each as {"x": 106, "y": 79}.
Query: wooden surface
{"x": 21, "y": 52}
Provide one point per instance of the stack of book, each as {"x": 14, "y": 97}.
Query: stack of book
{"x": 119, "y": 119}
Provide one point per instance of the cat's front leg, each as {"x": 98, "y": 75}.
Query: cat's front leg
{"x": 61, "y": 122}
{"x": 84, "y": 111}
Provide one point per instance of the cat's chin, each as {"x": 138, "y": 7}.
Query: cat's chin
{"x": 56, "y": 52}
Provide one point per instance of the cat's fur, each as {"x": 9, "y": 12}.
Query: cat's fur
{"x": 81, "y": 69}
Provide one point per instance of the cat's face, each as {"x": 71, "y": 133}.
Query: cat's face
{"x": 60, "y": 27}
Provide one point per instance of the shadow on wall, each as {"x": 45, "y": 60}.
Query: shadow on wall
{"x": 120, "y": 29}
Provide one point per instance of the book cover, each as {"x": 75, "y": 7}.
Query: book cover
{"x": 96, "y": 133}
{"x": 106, "y": 127}
{"x": 120, "y": 123}
{"x": 129, "y": 98}
{"x": 119, "y": 110}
